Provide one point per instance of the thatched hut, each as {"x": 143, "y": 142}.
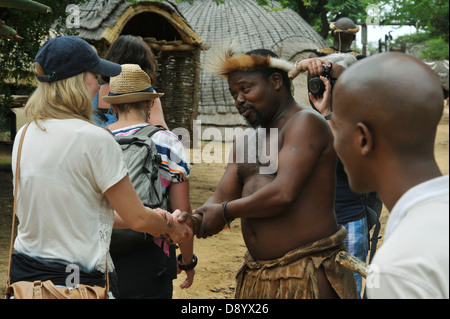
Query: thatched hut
{"x": 175, "y": 44}
{"x": 255, "y": 27}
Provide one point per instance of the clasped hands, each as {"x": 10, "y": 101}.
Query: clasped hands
{"x": 180, "y": 229}
{"x": 204, "y": 222}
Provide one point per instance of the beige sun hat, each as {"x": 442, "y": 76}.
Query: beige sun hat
{"x": 131, "y": 85}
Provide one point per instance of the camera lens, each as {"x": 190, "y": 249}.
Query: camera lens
{"x": 316, "y": 86}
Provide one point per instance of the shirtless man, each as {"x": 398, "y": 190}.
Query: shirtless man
{"x": 287, "y": 218}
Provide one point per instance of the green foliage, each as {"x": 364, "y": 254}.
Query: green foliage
{"x": 16, "y": 57}
{"x": 430, "y": 15}
{"x": 431, "y": 48}
{"x": 435, "y": 49}
{"x": 26, "y": 5}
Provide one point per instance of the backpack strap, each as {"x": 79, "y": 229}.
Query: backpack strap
{"x": 148, "y": 130}
{"x": 374, "y": 240}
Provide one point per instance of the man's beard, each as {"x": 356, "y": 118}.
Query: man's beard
{"x": 258, "y": 116}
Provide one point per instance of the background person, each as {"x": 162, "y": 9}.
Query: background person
{"x": 343, "y": 33}
{"x": 67, "y": 198}
{"x": 125, "y": 50}
{"x": 350, "y": 207}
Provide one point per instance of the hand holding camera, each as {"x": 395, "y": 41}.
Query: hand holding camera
{"x": 320, "y": 82}
{"x": 316, "y": 85}
{"x": 314, "y": 66}
{"x": 322, "y": 101}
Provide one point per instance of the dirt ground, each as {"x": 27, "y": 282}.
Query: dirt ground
{"x": 219, "y": 256}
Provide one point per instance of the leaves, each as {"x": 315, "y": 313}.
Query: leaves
{"x": 16, "y": 57}
{"x": 26, "y": 5}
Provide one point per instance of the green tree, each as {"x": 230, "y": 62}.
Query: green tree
{"x": 431, "y": 17}
{"x": 16, "y": 57}
{"x": 17, "y": 53}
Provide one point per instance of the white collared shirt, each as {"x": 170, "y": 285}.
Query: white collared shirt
{"x": 413, "y": 261}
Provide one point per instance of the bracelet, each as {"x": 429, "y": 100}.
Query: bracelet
{"x": 328, "y": 117}
{"x": 189, "y": 266}
{"x": 224, "y": 213}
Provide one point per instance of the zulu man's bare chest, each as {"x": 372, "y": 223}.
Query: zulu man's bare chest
{"x": 256, "y": 153}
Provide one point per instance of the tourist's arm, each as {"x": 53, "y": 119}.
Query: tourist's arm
{"x": 179, "y": 199}
{"x": 312, "y": 65}
{"x": 133, "y": 213}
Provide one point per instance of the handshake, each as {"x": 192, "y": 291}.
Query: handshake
{"x": 204, "y": 222}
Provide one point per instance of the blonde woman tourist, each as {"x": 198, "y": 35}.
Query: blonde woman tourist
{"x": 68, "y": 201}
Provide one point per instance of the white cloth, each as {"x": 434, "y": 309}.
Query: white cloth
{"x": 413, "y": 261}
{"x": 64, "y": 173}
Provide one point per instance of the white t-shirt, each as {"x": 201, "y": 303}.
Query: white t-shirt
{"x": 64, "y": 173}
{"x": 413, "y": 261}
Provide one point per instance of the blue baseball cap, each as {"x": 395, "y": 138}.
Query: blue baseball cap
{"x": 66, "y": 56}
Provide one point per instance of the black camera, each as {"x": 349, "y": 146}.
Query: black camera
{"x": 316, "y": 86}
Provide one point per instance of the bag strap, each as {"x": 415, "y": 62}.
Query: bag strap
{"x": 148, "y": 130}
{"x": 16, "y": 184}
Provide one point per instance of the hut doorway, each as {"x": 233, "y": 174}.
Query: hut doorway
{"x": 151, "y": 25}
{"x": 178, "y": 57}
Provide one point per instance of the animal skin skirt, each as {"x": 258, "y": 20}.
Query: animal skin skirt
{"x": 294, "y": 276}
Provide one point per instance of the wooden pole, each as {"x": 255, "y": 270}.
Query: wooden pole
{"x": 351, "y": 262}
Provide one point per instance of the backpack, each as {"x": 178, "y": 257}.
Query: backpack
{"x": 142, "y": 160}
{"x": 374, "y": 205}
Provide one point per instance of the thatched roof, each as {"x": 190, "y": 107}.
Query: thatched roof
{"x": 105, "y": 20}
{"x": 441, "y": 68}
{"x": 282, "y": 31}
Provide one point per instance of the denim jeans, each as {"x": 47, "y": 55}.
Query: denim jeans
{"x": 357, "y": 242}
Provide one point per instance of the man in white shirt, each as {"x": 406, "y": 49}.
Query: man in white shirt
{"x": 386, "y": 109}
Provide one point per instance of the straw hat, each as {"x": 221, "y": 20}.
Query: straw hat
{"x": 131, "y": 85}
